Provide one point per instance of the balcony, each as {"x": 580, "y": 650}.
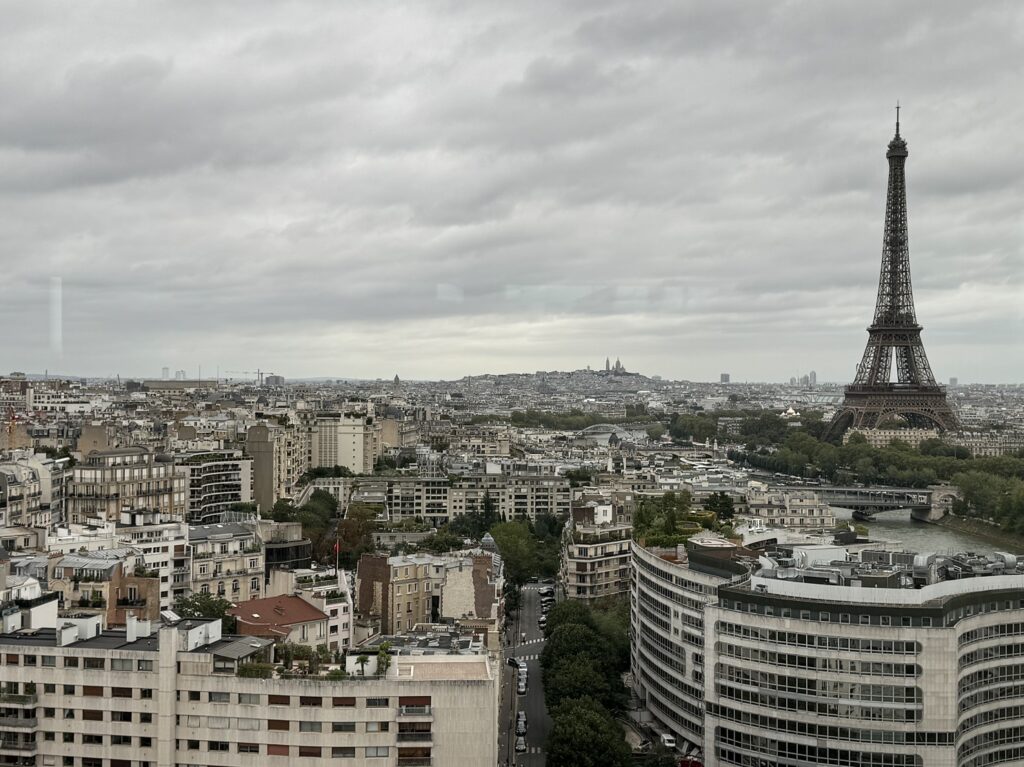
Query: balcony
{"x": 414, "y": 761}
{"x": 414, "y": 737}
{"x": 18, "y": 746}
{"x": 414, "y": 711}
{"x": 18, "y": 699}
{"x": 17, "y": 722}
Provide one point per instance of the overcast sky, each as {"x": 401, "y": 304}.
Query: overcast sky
{"x": 437, "y": 189}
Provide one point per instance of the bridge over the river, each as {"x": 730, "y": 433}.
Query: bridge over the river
{"x": 865, "y": 502}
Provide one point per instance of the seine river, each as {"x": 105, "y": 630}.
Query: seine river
{"x": 898, "y": 527}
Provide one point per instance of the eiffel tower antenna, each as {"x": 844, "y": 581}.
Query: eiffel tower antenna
{"x": 914, "y": 398}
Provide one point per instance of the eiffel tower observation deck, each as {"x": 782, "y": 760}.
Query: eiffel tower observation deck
{"x": 914, "y": 399}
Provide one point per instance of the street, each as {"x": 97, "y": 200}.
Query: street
{"x": 537, "y": 719}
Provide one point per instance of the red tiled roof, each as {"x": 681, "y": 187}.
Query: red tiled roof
{"x": 274, "y": 614}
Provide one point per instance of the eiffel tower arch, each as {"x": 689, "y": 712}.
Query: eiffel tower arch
{"x": 914, "y": 398}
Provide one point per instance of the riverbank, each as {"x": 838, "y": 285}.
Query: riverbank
{"x": 979, "y": 529}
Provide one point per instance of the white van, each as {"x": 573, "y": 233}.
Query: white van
{"x": 668, "y": 741}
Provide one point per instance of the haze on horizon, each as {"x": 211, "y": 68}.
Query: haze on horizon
{"x": 440, "y": 189}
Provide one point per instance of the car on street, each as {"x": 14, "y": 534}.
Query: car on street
{"x": 547, "y": 591}
{"x": 520, "y": 744}
{"x": 521, "y": 687}
{"x": 515, "y": 662}
{"x": 548, "y": 580}
{"x": 521, "y": 727}
{"x": 521, "y": 717}
{"x": 542, "y": 621}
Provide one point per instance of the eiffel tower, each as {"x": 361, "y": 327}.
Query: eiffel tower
{"x": 914, "y": 399}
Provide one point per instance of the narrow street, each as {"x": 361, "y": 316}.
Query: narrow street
{"x": 537, "y": 719}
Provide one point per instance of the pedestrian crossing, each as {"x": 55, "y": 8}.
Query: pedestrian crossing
{"x": 528, "y": 657}
{"x": 531, "y": 641}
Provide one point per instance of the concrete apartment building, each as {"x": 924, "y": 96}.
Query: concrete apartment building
{"x": 109, "y": 481}
{"x": 280, "y": 455}
{"x": 779, "y": 507}
{"x": 174, "y": 695}
{"x": 348, "y": 439}
{"x": 112, "y": 584}
{"x": 812, "y": 656}
{"x": 227, "y": 561}
{"x": 162, "y": 545}
{"x": 33, "y": 489}
{"x": 408, "y": 590}
{"x": 596, "y": 551}
{"x": 215, "y": 481}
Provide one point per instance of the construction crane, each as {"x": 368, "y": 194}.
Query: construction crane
{"x": 258, "y": 373}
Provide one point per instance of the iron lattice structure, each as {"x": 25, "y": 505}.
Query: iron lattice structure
{"x": 914, "y": 398}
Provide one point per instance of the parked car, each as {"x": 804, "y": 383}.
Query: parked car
{"x": 521, "y": 687}
{"x": 521, "y": 663}
{"x": 548, "y": 580}
{"x": 520, "y": 744}
{"x": 542, "y": 621}
{"x": 521, "y": 727}
{"x": 515, "y": 662}
{"x": 547, "y": 591}
{"x": 521, "y": 717}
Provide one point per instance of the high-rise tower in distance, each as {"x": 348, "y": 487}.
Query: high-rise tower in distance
{"x": 914, "y": 398}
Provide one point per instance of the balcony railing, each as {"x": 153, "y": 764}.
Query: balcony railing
{"x": 414, "y": 710}
{"x": 22, "y": 699}
{"x": 407, "y": 737}
{"x": 414, "y": 761}
{"x": 20, "y": 722}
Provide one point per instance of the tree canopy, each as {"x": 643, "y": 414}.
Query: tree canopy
{"x": 583, "y": 734}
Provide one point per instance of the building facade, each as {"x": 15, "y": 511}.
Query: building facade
{"x": 215, "y": 481}
{"x": 107, "y": 482}
{"x": 227, "y": 561}
{"x": 81, "y": 697}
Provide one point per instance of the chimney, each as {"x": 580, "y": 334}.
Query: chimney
{"x": 131, "y": 628}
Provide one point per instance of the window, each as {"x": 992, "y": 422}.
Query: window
{"x": 254, "y": 584}
{"x": 193, "y": 745}
{"x": 376, "y": 726}
{"x": 70, "y": 662}
{"x": 92, "y": 740}
{"x": 218, "y": 722}
{"x": 218, "y": 745}
{"x": 69, "y": 713}
{"x": 69, "y": 689}
{"x": 146, "y": 718}
{"x": 343, "y": 702}
{"x": 310, "y": 727}
{"x": 120, "y": 740}
{"x": 310, "y": 700}
{"x": 120, "y": 716}
{"x": 278, "y": 724}
{"x": 248, "y": 748}
{"x": 343, "y": 752}
{"x": 145, "y": 665}
{"x": 273, "y": 749}
{"x": 279, "y": 700}
{"x": 343, "y": 726}
{"x": 49, "y": 713}
{"x": 146, "y": 693}
{"x": 94, "y": 663}
{"x": 48, "y": 661}
{"x": 309, "y": 751}
{"x": 249, "y": 698}
{"x": 69, "y": 737}
{"x": 92, "y": 715}
{"x": 120, "y": 692}
{"x": 145, "y": 742}
{"x": 120, "y": 664}
{"x": 49, "y": 687}
{"x": 377, "y": 702}
{"x": 193, "y": 694}
{"x": 220, "y": 697}
{"x": 372, "y": 751}
{"x": 30, "y": 660}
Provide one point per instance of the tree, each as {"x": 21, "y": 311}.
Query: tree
{"x": 583, "y": 734}
{"x": 355, "y": 534}
{"x": 569, "y": 611}
{"x": 384, "y": 658}
{"x": 575, "y": 677}
{"x": 656, "y": 431}
{"x": 573, "y": 639}
{"x": 720, "y": 503}
{"x": 518, "y": 550}
{"x": 202, "y": 605}
{"x": 361, "y": 661}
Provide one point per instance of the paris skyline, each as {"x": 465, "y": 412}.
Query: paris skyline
{"x": 440, "y": 191}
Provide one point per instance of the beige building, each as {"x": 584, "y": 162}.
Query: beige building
{"x": 407, "y": 590}
{"x": 348, "y": 439}
{"x": 227, "y": 561}
{"x": 109, "y": 481}
{"x": 280, "y": 455}
{"x": 215, "y": 480}
{"x": 884, "y": 437}
{"x": 178, "y": 694}
{"x": 113, "y": 584}
{"x": 595, "y": 557}
{"x": 782, "y": 507}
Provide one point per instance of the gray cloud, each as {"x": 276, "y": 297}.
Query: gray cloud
{"x": 446, "y": 188}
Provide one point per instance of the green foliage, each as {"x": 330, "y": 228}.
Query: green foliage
{"x": 568, "y": 611}
{"x": 355, "y": 534}
{"x": 698, "y": 428}
{"x": 324, "y": 472}
{"x": 474, "y": 524}
{"x": 256, "y": 670}
{"x": 575, "y": 677}
{"x": 583, "y": 734}
{"x": 579, "y": 477}
{"x": 441, "y": 542}
{"x": 656, "y": 431}
{"x": 574, "y": 420}
{"x": 721, "y": 504}
{"x": 518, "y": 550}
{"x": 201, "y": 605}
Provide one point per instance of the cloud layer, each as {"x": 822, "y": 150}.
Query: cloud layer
{"x": 443, "y": 188}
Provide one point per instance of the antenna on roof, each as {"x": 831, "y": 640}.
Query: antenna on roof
{"x": 897, "y": 118}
